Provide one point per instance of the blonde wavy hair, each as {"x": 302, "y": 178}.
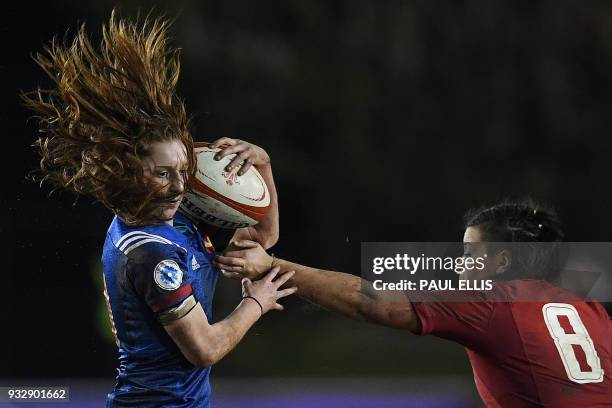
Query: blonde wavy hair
{"x": 108, "y": 104}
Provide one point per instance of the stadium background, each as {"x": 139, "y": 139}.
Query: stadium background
{"x": 385, "y": 121}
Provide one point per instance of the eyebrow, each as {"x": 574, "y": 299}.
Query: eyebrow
{"x": 170, "y": 167}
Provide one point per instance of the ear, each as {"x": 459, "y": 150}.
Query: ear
{"x": 503, "y": 261}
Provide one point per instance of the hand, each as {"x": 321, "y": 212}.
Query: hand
{"x": 246, "y": 258}
{"x": 266, "y": 290}
{"x": 247, "y": 154}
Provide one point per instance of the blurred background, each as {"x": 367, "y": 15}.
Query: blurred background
{"x": 385, "y": 121}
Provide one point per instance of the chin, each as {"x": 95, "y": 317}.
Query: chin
{"x": 169, "y": 214}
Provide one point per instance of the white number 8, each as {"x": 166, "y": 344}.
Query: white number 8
{"x": 564, "y": 342}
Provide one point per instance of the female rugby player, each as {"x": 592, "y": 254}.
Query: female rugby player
{"x": 530, "y": 342}
{"x": 114, "y": 129}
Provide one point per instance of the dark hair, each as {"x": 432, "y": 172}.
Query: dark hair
{"x": 531, "y": 231}
{"x": 108, "y": 104}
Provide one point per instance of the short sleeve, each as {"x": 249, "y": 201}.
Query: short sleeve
{"x": 159, "y": 275}
{"x": 465, "y": 321}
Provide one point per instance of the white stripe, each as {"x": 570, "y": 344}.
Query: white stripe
{"x": 136, "y": 245}
{"x": 143, "y": 238}
{"x": 138, "y": 234}
{"x": 124, "y": 242}
{"x": 129, "y": 234}
{"x": 140, "y": 238}
{"x": 137, "y": 237}
{"x": 166, "y": 240}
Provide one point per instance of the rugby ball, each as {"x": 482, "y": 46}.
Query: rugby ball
{"x": 225, "y": 199}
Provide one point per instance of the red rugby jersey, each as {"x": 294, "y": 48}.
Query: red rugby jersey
{"x": 555, "y": 351}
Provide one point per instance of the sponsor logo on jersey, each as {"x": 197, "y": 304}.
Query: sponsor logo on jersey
{"x": 194, "y": 262}
{"x": 168, "y": 275}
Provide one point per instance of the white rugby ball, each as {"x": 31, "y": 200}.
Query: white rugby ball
{"x": 223, "y": 198}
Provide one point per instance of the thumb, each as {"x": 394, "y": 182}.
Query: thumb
{"x": 246, "y": 283}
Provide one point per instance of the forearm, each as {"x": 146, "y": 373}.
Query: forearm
{"x": 221, "y": 338}
{"x": 350, "y": 296}
{"x": 336, "y": 291}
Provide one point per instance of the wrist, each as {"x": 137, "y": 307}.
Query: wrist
{"x": 254, "y": 301}
{"x": 265, "y": 164}
{"x": 281, "y": 263}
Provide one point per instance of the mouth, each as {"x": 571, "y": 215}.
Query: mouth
{"x": 172, "y": 204}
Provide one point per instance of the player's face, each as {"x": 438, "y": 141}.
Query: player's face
{"x": 475, "y": 247}
{"x": 165, "y": 170}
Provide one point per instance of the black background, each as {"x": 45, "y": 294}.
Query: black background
{"x": 385, "y": 121}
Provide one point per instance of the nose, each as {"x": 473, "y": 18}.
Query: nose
{"x": 177, "y": 184}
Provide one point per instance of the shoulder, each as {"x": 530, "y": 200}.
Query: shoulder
{"x": 148, "y": 244}
{"x": 153, "y": 260}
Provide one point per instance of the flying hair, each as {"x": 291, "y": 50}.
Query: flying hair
{"x": 108, "y": 103}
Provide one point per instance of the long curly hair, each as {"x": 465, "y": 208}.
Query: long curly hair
{"x": 108, "y": 104}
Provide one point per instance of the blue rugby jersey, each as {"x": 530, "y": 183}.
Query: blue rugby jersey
{"x": 148, "y": 271}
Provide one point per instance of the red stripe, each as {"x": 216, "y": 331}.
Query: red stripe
{"x": 257, "y": 213}
{"x": 171, "y": 298}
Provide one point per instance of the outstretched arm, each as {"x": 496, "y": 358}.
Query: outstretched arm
{"x": 339, "y": 292}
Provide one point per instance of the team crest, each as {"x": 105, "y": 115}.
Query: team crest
{"x": 168, "y": 275}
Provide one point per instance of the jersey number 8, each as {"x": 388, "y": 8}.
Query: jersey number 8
{"x": 565, "y": 343}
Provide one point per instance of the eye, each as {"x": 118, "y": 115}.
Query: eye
{"x": 163, "y": 174}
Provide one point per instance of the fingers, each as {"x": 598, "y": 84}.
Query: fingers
{"x": 286, "y": 292}
{"x": 229, "y": 261}
{"x": 229, "y": 264}
{"x": 244, "y": 153}
{"x": 272, "y": 274}
{"x": 283, "y": 279}
{"x": 236, "y": 161}
{"x": 278, "y": 306}
{"x": 223, "y": 141}
{"x": 230, "y": 255}
{"x": 245, "y": 166}
{"x": 234, "y": 148}
{"x": 231, "y": 275}
{"x": 229, "y": 268}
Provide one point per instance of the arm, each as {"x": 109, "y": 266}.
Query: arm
{"x": 340, "y": 292}
{"x": 159, "y": 276}
{"x": 204, "y": 344}
{"x": 267, "y": 230}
